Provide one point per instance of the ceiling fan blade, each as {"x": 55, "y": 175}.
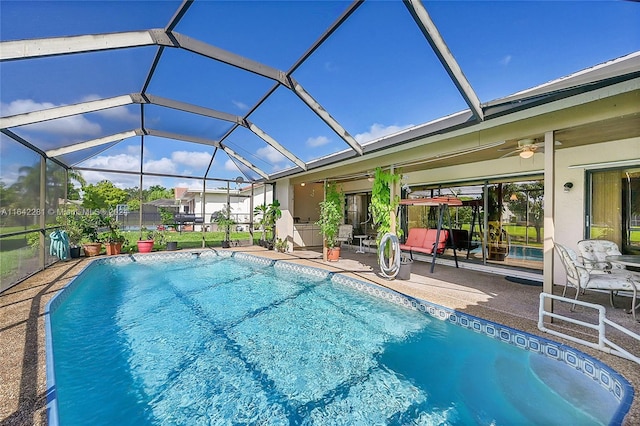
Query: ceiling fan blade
{"x": 511, "y": 148}
{"x": 510, "y": 153}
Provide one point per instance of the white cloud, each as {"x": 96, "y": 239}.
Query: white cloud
{"x": 163, "y": 165}
{"x": 317, "y": 141}
{"x": 125, "y": 162}
{"x": 191, "y": 184}
{"x": 271, "y": 155}
{"x": 241, "y": 105}
{"x": 230, "y": 166}
{"x": 377, "y": 131}
{"x": 197, "y": 159}
{"x": 76, "y": 125}
{"x": 506, "y": 60}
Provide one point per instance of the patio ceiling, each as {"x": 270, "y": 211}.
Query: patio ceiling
{"x": 207, "y": 126}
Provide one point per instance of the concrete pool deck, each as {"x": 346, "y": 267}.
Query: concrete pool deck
{"x": 480, "y": 293}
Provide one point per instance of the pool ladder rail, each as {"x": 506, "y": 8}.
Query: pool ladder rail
{"x": 603, "y": 344}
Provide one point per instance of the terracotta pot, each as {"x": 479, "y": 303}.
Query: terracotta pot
{"x": 92, "y": 249}
{"x": 333, "y": 254}
{"x": 113, "y": 248}
{"x": 145, "y": 246}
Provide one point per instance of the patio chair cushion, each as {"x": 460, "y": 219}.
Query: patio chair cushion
{"x": 414, "y": 239}
{"x": 429, "y": 243}
{"x": 594, "y": 253}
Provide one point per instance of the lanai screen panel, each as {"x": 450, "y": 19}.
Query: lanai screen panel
{"x": 275, "y": 33}
{"x": 173, "y": 157}
{"x": 256, "y": 151}
{"x": 67, "y": 131}
{"x": 48, "y": 82}
{"x": 307, "y": 141}
{"x": 506, "y": 47}
{"x": 179, "y": 122}
{"x": 188, "y": 77}
{"x": 122, "y": 156}
{"x": 374, "y": 91}
{"x": 67, "y": 18}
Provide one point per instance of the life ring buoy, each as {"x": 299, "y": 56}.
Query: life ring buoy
{"x": 392, "y": 269}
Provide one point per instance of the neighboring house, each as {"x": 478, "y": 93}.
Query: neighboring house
{"x": 193, "y": 201}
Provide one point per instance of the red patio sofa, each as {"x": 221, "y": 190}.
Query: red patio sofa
{"x": 423, "y": 240}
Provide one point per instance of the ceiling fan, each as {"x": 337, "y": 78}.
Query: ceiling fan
{"x": 525, "y": 148}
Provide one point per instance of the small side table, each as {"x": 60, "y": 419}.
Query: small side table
{"x": 361, "y": 237}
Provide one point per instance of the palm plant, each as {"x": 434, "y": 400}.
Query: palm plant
{"x": 261, "y": 214}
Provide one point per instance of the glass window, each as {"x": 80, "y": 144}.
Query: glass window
{"x": 614, "y": 206}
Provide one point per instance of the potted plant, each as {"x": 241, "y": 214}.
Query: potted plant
{"x": 260, "y": 213}
{"x": 171, "y": 244}
{"x": 70, "y": 223}
{"x": 224, "y": 221}
{"x": 330, "y": 220}
{"x": 145, "y": 241}
{"x": 89, "y": 225}
{"x": 113, "y": 238}
{"x": 281, "y": 245}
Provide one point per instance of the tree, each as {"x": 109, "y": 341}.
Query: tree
{"x": 103, "y": 195}
{"x": 73, "y": 193}
{"x": 157, "y": 192}
{"x": 527, "y": 196}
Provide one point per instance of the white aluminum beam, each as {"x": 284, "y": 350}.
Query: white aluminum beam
{"x": 92, "y": 143}
{"x": 63, "y": 111}
{"x": 232, "y": 153}
{"x": 430, "y": 31}
{"x": 281, "y": 149}
{"x": 325, "y": 116}
{"x": 183, "y": 106}
{"x": 181, "y": 137}
{"x": 41, "y": 47}
{"x": 227, "y": 57}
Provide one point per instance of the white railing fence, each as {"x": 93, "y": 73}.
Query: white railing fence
{"x": 604, "y": 344}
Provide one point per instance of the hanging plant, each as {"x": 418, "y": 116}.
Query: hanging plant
{"x": 382, "y": 205}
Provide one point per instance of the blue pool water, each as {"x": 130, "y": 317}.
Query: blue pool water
{"x": 220, "y": 340}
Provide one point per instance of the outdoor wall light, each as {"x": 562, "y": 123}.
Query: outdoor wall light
{"x": 568, "y": 186}
{"x": 302, "y": 184}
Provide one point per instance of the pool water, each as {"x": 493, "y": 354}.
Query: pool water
{"x": 224, "y": 341}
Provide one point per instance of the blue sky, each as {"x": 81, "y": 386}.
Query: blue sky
{"x": 376, "y": 75}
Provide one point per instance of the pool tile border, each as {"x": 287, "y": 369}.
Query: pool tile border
{"x": 607, "y": 378}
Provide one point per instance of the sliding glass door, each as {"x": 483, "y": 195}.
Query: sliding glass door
{"x": 613, "y": 208}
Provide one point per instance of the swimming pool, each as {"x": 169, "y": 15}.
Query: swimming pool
{"x": 240, "y": 339}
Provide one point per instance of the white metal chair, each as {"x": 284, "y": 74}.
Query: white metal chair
{"x": 594, "y": 256}
{"x": 579, "y": 277}
{"x": 345, "y": 234}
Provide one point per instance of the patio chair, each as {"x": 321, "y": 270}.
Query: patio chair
{"x": 594, "y": 254}
{"x": 345, "y": 234}
{"x": 371, "y": 242}
{"x": 579, "y": 277}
